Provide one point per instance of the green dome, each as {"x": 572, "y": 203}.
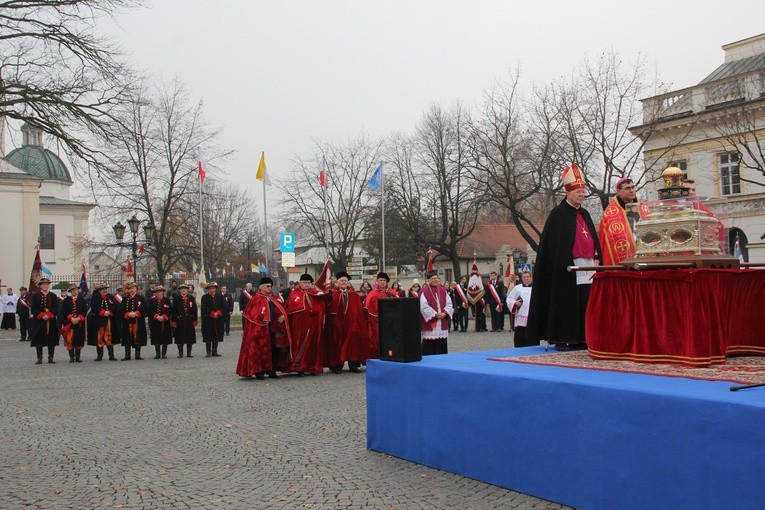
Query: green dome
{"x": 36, "y": 160}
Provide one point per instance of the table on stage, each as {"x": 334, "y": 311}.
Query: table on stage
{"x": 692, "y": 317}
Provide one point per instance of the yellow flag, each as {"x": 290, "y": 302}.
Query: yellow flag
{"x": 262, "y": 175}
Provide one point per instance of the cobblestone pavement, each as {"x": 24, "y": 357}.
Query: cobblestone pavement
{"x": 190, "y": 434}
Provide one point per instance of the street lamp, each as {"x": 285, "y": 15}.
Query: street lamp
{"x": 519, "y": 258}
{"x": 134, "y": 224}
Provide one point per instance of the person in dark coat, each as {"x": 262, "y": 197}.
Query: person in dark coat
{"x": 213, "y": 307}
{"x": 22, "y": 310}
{"x": 44, "y": 330}
{"x": 159, "y": 312}
{"x": 74, "y": 309}
{"x": 133, "y": 323}
{"x": 185, "y": 320}
{"x": 103, "y": 323}
{"x": 559, "y": 302}
{"x": 229, "y": 299}
{"x": 497, "y": 308}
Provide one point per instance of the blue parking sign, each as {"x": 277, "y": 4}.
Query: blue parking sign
{"x": 287, "y": 242}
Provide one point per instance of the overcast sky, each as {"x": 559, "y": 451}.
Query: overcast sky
{"x": 277, "y": 74}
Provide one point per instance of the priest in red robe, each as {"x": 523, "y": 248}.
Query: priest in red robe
{"x": 305, "y": 309}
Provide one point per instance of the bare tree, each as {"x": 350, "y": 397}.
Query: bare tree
{"x": 432, "y": 188}
{"x": 512, "y": 154}
{"x": 230, "y": 218}
{"x": 597, "y": 106}
{"x": 333, "y": 216}
{"x": 151, "y": 167}
{"x": 740, "y": 131}
{"x": 55, "y": 73}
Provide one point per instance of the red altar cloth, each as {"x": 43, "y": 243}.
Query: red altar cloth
{"x": 692, "y": 317}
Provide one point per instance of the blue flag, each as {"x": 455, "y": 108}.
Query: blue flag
{"x": 376, "y": 180}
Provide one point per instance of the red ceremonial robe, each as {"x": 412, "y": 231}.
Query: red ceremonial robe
{"x": 255, "y": 353}
{"x": 373, "y": 328}
{"x": 348, "y": 338}
{"x": 615, "y": 233}
{"x": 306, "y": 318}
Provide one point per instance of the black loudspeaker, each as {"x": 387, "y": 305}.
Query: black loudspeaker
{"x": 399, "y": 323}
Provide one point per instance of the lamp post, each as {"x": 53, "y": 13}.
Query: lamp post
{"x": 134, "y": 224}
{"x": 309, "y": 262}
{"x": 519, "y": 258}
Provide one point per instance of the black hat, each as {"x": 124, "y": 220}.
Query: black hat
{"x": 306, "y": 278}
{"x": 183, "y": 286}
{"x": 383, "y": 275}
{"x": 342, "y": 274}
{"x": 265, "y": 280}
{"x": 102, "y": 286}
{"x": 431, "y": 274}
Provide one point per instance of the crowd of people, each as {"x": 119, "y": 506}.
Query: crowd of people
{"x": 125, "y": 319}
{"x": 328, "y": 324}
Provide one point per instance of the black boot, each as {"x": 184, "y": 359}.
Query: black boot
{"x": 109, "y": 348}
{"x": 71, "y": 356}
{"x": 77, "y": 356}
{"x": 100, "y": 353}
{"x": 188, "y": 351}
{"x": 180, "y": 350}
{"x": 138, "y": 352}
{"x": 39, "y": 355}
{"x": 127, "y": 353}
{"x": 164, "y": 351}
{"x": 157, "y": 355}
{"x": 272, "y": 374}
{"x": 209, "y": 349}
{"x": 51, "y": 350}
{"x": 353, "y": 366}
{"x": 215, "y": 349}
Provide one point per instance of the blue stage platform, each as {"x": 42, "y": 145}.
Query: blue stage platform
{"x": 584, "y": 438}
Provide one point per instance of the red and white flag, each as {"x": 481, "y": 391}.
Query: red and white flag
{"x": 202, "y": 167}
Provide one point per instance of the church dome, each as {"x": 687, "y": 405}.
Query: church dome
{"x": 36, "y": 160}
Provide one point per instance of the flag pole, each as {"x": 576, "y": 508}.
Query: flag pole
{"x": 201, "y": 230}
{"x": 382, "y": 214}
{"x": 265, "y": 221}
{"x": 325, "y": 214}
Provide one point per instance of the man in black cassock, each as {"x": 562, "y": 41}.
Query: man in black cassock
{"x": 559, "y": 301}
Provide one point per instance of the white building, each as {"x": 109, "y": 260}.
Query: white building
{"x": 715, "y": 132}
{"x": 35, "y": 193}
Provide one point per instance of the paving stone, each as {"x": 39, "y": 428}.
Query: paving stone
{"x": 190, "y": 434}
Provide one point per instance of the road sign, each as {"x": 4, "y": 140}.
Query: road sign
{"x": 526, "y": 267}
{"x": 288, "y": 259}
{"x": 287, "y": 243}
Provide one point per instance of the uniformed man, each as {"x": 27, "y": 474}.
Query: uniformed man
{"x": 73, "y": 312}
{"x": 185, "y": 320}
{"x": 159, "y": 311}
{"x": 133, "y": 323}
{"x": 213, "y": 307}
{"x": 103, "y": 322}
{"x": 44, "y": 330}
